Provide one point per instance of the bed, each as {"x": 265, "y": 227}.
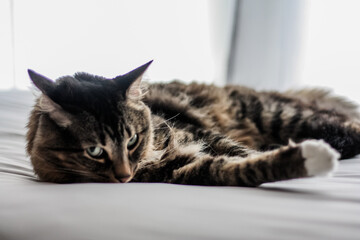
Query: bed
{"x": 312, "y": 208}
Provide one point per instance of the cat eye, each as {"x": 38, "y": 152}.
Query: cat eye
{"x": 95, "y": 152}
{"x": 132, "y": 142}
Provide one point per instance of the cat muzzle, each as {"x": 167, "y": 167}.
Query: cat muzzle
{"x": 122, "y": 172}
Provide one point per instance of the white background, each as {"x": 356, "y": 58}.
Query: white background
{"x": 111, "y": 37}
{"x": 332, "y": 46}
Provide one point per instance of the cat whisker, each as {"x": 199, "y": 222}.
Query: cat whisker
{"x": 209, "y": 146}
{"x": 166, "y": 120}
{"x": 162, "y": 128}
{"x": 66, "y": 170}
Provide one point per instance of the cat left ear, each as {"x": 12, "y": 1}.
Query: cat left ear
{"x": 129, "y": 83}
{"x": 55, "y": 111}
{"x": 44, "y": 84}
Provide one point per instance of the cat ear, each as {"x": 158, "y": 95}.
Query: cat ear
{"x": 44, "y": 84}
{"x": 55, "y": 111}
{"x": 129, "y": 83}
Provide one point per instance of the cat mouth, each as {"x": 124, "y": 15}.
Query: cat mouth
{"x": 124, "y": 179}
{"x": 120, "y": 179}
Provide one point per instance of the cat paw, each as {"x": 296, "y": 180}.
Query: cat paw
{"x": 320, "y": 158}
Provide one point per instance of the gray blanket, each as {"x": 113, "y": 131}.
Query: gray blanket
{"x": 313, "y": 208}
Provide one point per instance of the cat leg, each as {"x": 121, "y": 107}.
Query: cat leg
{"x": 309, "y": 158}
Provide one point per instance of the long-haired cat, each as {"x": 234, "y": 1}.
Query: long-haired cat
{"x": 86, "y": 128}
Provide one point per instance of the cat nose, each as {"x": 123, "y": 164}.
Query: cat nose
{"x": 122, "y": 172}
{"x": 125, "y": 179}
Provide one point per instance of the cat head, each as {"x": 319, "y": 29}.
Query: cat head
{"x": 87, "y": 128}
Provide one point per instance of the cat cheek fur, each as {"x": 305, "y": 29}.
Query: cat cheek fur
{"x": 139, "y": 114}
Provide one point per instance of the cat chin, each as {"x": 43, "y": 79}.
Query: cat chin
{"x": 320, "y": 158}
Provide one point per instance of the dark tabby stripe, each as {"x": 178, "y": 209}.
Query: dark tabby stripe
{"x": 292, "y": 125}
{"x": 243, "y": 109}
{"x": 254, "y": 113}
{"x": 276, "y": 123}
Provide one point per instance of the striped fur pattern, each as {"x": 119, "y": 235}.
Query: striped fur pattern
{"x": 186, "y": 134}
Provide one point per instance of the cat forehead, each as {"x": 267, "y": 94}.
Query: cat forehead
{"x": 95, "y": 95}
{"x": 83, "y": 86}
{"x": 82, "y": 76}
{"x": 84, "y": 81}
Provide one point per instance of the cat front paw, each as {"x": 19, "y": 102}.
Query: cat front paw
{"x": 320, "y": 158}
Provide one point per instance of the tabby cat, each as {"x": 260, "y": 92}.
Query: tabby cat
{"x": 88, "y": 128}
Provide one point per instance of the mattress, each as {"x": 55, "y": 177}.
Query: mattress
{"x": 312, "y": 208}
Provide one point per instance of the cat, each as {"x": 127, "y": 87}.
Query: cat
{"x": 87, "y": 128}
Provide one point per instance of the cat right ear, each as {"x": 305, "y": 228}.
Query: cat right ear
{"x": 129, "y": 83}
{"x": 44, "y": 84}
